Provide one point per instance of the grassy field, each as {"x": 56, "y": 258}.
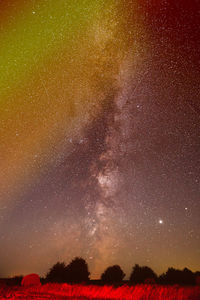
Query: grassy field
{"x": 65, "y": 291}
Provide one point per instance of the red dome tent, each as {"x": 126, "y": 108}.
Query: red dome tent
{"x": 31, "y": 280}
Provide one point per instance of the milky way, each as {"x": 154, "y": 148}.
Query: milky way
{"x": 100, "y": 134}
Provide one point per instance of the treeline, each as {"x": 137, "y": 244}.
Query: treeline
{"x": 77, "y": 272}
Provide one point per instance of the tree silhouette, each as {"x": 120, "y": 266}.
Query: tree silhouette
{"x": 77, "y": 271}
{"x": 150, "y": 281}
{"x": 187, "y": 276}
{"x": 175, "y": 276}
{"x": 57, "y": 273}
{"x": 197, "y": 277}
{"x": 113, "y": 274}
{"x": 16, "y": 280}
{"x": 141, "y": 274}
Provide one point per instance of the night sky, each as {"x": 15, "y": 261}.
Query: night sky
{"x": 99, "y": 134}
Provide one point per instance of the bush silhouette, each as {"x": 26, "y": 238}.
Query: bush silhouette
{"x": 141, "y": 274}
{"x": 175, "y": 276}
{"x": 187, "y": 277}
{"x": 197, "y": 279}
{"x": 16, "y": 280}
{"x": 57, "y": 273}
{"x": 150, "y": 281}
{"x": 113, "y": 274}
{"x": 77, "y": 271}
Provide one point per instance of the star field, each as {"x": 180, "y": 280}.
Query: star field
{"x": 99, "y": 134}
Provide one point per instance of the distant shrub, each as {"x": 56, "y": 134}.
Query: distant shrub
{"x": 175, "y": 276}
{"x": 150, "y": 281}
{"x": 197, "y": 280}
{"x": 77, "y": 271}
{"x": 113, "y": 274}
{"x": 16, "y": 280}
{"x": 141, "y": 274}
{"x": 57, "y": 273}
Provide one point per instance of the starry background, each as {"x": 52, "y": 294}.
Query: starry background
{"x": 99, "y": 134}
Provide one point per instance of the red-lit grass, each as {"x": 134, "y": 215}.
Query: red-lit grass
{"x": 65, "y": 291}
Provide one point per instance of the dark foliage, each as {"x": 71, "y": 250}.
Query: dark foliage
{"x": 77, "y": 271}
{"x": 175, "y": 276}
{"x": 197, "y": 278}
{"x": 142, "y": 274}
{"x": 112, "y": 275}
{"x": 57, "y": 273}
{"x": 150, "y": 281}
{"x": 13, "y": 281}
